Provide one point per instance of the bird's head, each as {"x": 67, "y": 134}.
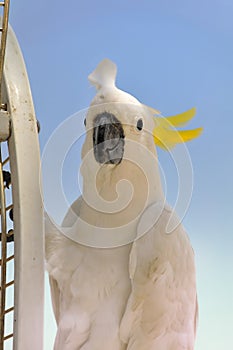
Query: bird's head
{"x": 115, "y": 119}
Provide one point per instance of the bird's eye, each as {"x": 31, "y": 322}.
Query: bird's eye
{"x": 140, "y": 124}
{"x": 85, "y": 122}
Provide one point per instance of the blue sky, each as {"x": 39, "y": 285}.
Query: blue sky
{"x": 171, "y": 55}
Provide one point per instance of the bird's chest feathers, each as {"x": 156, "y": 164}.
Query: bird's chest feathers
{"x": 91, "y": 274}
{"x": 121, "y": 195}
{"x": 97, "y": 273}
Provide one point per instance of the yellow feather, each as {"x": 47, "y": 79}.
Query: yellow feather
{"x": 167, "y": 139}
{"x": 182, "y": 118}
{"x": 166, "y": 136}
{"x": 188, "y": 135}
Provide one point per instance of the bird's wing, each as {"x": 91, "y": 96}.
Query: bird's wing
{"x": 53, "y": 237}
{"x": 161, "y": 310}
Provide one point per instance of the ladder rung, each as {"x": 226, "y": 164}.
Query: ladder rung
{"x": 8, "y": 336}
{"x": 2, "y": 3}
{"x": 8, "y": 259}
{"x": 8, "y": 284}
{"x": 9, "y": 310}
{"x": 9, "y": 207}
{"x": 6, "y": 161}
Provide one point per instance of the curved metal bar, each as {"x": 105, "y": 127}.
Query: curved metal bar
{"x": 4, "y": 29}
{"x": 27, "y": 200}
{"x": 18, "y": 126}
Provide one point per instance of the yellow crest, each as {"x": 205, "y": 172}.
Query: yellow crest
{"x": 165, "y": 134}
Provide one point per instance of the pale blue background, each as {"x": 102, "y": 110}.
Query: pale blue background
{"x": 171, "y": 55}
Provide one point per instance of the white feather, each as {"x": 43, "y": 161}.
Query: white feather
{"x": 104, "y": 75}
{"x": 104, "y": 80}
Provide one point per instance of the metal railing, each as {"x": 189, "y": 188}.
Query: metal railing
{"x": 7, "y": 255}
{"x": 7, "y": 252}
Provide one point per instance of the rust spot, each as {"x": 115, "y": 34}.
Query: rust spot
{"x": 30, "y": 117}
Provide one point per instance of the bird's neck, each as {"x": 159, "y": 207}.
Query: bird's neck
{"x": 121, "y": 193}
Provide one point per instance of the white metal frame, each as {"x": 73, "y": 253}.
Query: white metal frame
{"x": 27, "y": 201}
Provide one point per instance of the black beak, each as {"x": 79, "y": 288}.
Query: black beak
{"x": 108, "y": 139}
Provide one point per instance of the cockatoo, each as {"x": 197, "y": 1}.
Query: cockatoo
{"x": 118, "y": 279}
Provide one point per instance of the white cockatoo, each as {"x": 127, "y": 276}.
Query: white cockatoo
{"x": 118, "y": 279}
